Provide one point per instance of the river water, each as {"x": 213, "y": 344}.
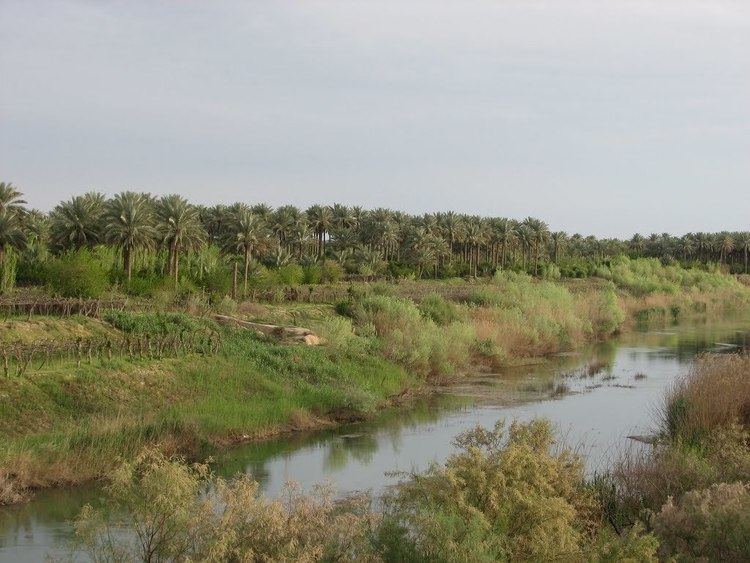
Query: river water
{"x": 596, "y": 398}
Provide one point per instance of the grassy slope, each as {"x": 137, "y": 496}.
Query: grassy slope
{"x": 67, "y": 424}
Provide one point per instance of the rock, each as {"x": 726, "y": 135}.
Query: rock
{"x": 288, "y": 334}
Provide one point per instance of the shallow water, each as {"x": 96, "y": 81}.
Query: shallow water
{"x": 598, "y": 401}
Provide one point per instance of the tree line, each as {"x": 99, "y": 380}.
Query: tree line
{"x": 365, "y": 242}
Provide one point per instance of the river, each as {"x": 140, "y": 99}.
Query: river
{"x": 596, "y": 398}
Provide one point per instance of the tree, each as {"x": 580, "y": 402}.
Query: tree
{"x": 743, "y": 244}
{"x": 247, "y": 230}
{"x": 726, "y": 246}
{"x": 539, "y": 234}
{"x": 558, "y": 239}
{"x": 11, "y": 233}
{"x": 321, "y": 220}
{"x": 77, "y": 223}
{"x": 178, "y": 225}
{"x": 11, "y": 198}
{"x": 129, "y": 226}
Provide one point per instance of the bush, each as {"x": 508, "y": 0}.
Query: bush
{"x": 312, "y": 274}
{"x": 217, "y": 281}
{"x": 331, "y": 272}
{"x": 410, "y": 339}
{"x": 227, "y": 306}
{"x": 291, "y": 274}
{"x": 147, "y": 285}
{"x": 711, "y": 524}
{"x": 437, "y": 308}
{"x": 154, "y": 323}
{"x": 503, "y": 496}
{"x": 77, "y": 274}
{"x": 161, "y": 499}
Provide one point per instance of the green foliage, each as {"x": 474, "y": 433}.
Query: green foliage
{"x": 605, "y": 314}
{"x": 436, "y": 307}
{"x": 291, "y": 274}
{"x": 407, "y": 337}
{"x": 642, "y": 276}
{"x": 77, "y": 274}
{"x": 147, "y": 285}
{"x": 8, "y": 270}
{"x": 155, "y": 323}
{"x": 312, "y": 274}
{"x": 157, "y": 500}
{"x": 331, "y": 272}
{"x": 504, "y": 495}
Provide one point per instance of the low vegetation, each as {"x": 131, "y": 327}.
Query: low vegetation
{"x": 691, "y": 489}
{"x": 508, "y": 493}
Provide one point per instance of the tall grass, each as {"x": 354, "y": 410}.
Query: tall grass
{"x": 715, "y": 393}
{"x": 527, "y": 318}
{"x": 688, "y": 485}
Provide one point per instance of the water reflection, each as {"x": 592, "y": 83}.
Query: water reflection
{"x": 613, "y": 389}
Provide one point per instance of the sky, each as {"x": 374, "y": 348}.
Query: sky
{"x": 601, "y": 117}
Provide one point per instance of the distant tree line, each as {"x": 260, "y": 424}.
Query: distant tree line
{"x": 154, "y": 235}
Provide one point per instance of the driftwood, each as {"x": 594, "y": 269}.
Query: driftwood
{"x": 291, "y": 334}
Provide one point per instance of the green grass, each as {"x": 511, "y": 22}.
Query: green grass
{"x": 69, "y": 424}
{"x": 28, "y": 330}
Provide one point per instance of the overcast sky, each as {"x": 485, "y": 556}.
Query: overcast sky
{"x": 605, "y": 117}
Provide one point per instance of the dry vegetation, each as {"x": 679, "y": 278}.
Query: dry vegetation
{"x": 691, "y": 489}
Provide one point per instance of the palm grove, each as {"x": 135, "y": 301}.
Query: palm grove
{"x": 137, "y": 237}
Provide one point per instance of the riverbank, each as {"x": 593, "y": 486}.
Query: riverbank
{"x": 505, "y": 491}
{"x": 72, "y": 421}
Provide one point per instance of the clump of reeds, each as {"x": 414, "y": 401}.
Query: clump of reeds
{"x": 715, "y": 393}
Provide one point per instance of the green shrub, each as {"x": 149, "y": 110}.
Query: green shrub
{"x": 437, "y": 308}
{"x": 503, "y": 496}
{"x": 410, "y": 339}
{"x": 331, "y": 271}
{"x": 154, "y": 323}
{"x": 77, "y": 274}
{"x": 312, "y": 274}
{"x": 227, "y": 306}
{"x": 147, "y": 285}
{"x": 291, "y": 274}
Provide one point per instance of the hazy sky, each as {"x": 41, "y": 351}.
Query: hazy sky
{"x": 605, "y": 117}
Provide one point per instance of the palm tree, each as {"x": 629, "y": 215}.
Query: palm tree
{"x": 343, "y": 218}
{"x": 283, "y": 222}
{"x": 321, "y": 221}
{"x": 129, "y": 226}
{"x": 77, "y": 223}
{"x": 246, "y": 233}
{"x": 743, "y": 244}
{"x": 686, "y": 246}
{"x": 36, "y": 227}
{"x": 637, "y": 243}
{"x": 474, "y": 237}
{"x": 525, "y": 235}
{"x": 178, "y": 225}
{"x": 558, "y": 239}
{"x": 540, "y": 232}
{"x": 11, "y": 233}
{"x": 263, "y": 211}
{"x": 11, "y": 198}
{"x": 453, "y": 226}
{"x": 726, "y": 246}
